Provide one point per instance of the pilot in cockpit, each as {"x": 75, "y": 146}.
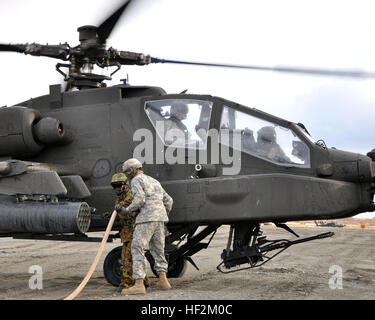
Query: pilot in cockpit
{"x": 268, "y": 147}
{"x": 175, "y": 130}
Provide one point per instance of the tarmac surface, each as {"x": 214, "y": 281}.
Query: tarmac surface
{"x": 336, "y": 268}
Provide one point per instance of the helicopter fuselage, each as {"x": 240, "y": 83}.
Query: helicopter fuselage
{"x": 103, "y": 125}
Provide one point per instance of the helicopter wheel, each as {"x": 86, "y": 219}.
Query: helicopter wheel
{"x": 175, "y": 270}
{"x": 112, "y": 266}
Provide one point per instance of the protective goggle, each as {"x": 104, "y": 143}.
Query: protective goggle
{"x": 117, "y": 184}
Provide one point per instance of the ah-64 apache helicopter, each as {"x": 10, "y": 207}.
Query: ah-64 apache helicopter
{"x": 59, "y": 151}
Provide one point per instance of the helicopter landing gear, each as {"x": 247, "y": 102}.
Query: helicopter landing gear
{"x": 112, "y": 266}
{"x": 177, "y": 255}
{"x": 176, "y": 269}
{"x": 249, "y": 246}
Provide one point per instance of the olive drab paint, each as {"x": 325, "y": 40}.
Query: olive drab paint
{"x": 59, "y": 151}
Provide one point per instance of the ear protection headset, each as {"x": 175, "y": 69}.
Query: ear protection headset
{"x": 130, "y": 171}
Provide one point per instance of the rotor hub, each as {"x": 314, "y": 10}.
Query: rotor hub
{"x": 87, "y": 33}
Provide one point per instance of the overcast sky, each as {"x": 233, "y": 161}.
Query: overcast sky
{"x": 316, "y": 34}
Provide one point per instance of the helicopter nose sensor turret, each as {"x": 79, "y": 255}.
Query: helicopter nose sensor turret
{"x": 371, "y": 155}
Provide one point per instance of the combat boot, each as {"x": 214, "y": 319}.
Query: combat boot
{"x": 163, "y": 283}
{"x": 147, "y": 282}
{"x": 138, "y": 288}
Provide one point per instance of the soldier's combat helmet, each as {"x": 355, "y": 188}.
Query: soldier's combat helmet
{"x": 266, "y": 134}
{"x": 118, "y": 179}
{"x": 131, "y": 163}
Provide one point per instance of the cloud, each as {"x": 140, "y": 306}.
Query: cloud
{"x": 341, "y": 116}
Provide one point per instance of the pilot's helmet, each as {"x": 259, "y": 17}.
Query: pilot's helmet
{"x": 179, "y": 108}
{"x": 267, "y": 135}
{"x": 118, "y": 179}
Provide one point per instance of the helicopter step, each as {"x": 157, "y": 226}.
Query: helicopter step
{"x": 249, "y": 246}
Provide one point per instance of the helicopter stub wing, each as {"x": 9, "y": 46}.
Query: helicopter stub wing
{"x": 27, "y": 178}
{"x": 45, "y": 183}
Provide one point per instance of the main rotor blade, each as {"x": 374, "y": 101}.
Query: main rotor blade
{"x": 60, "y": 51}
{"x": 320, "y": 72}
{"x": 13, "y": 47}
{"x": 105, "y": 29}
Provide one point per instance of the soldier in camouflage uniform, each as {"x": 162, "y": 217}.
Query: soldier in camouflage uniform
{"x": 124, "y": 197}
{"x": 153, "y": 204}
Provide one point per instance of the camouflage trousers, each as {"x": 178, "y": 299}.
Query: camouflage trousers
{"x": 127, "y": 280}
{"x": 149, "y": 234}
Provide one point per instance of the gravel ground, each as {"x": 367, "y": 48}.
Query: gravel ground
{"x": 302, "y": 272}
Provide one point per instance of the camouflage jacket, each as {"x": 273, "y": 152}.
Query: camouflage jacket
{"x": 149, "y": 197}
{"x": 125, "y": 198}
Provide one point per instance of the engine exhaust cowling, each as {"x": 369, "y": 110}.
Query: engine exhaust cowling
{"x": 49, "y": 131}
{"x": 16, "y": 131}
{"x": 25, "y": 132}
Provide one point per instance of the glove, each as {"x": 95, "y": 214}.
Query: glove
{"x": 120, "y": 209}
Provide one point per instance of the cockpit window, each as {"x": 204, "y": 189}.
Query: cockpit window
{"x": 181, "y": 122}
{"x": 264, "y": 139}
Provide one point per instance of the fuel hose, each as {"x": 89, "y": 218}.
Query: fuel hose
{"x": 77, "y": 291}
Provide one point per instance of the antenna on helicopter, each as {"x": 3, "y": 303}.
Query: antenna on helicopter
{"x": 125, "y": 81}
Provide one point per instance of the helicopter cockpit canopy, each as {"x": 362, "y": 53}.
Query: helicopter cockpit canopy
{"x": 264, "y": 139}
{"x": 181, "y": 122}
{"x": 184, "y": 123}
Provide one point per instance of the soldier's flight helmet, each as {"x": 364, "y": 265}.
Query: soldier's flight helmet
{"x": 179, "y": 108}
{"x": 266, "y": 135}
{"x": 118, "y": 179}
